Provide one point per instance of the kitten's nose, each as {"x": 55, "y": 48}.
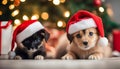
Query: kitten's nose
{"x": 85, "y": 43}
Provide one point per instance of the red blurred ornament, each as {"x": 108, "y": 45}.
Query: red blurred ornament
{"x": 16, "y": 2}
{"x": 97, "y": 3}
{"x": 116, "y": 40}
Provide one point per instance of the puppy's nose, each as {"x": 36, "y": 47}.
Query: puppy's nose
{"x": 85, "y": 42}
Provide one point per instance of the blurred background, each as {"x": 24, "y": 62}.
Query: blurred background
{"x": 54, "y": 14}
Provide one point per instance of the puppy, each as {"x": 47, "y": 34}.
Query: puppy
{"x": 84, "y": 46}
{"x": 33, "y": 46}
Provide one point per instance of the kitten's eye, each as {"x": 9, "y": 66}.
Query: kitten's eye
{"x": 78, "y": 36}
{"x": 90, "y": 33}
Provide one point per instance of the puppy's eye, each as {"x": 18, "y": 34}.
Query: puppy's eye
{"x": 78, "y": 36}
{"x": 90, "y": 33}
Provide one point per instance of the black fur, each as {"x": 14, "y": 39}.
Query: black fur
{"x": 70, "y": 37}
{"x": 22, "y": 52}
{"x": 33, "y": 42}
{"x": 41, "y": 51}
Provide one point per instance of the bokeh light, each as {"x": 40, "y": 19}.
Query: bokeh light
{"x": 25, "y": 17}
{"x": 44, "y": 15}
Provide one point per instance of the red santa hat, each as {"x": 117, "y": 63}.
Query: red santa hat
{"x": 83, "y": 20}
{"x": 25, "y": 30}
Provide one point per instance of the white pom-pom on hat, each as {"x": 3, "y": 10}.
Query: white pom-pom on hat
{"x": 103, "y": 41}
{"x": 83, "y": 20}
{"x": 11, "y": 54}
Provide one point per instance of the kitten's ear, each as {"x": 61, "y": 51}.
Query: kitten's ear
{"x": 70, "y": 37}
{"x": 45, "y": 34}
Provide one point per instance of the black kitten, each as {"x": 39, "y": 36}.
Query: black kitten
{"x": 33, "y": 46}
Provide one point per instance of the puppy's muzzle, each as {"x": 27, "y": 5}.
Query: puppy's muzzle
{"x": 85, "y": 43}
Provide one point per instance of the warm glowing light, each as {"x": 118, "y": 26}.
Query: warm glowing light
{"x": 17, "y": 22}
{"x": 64, "y": 24}
{"x": 110, "y": 10}
{"x": 49, "y": 0}
{"x": 14, "y": 13}
{"x": 22, "y": 0}
{"x": 62, "y": 1}
{"x": 45, "y": 15}
{"x": 25, "y": 17}
{"x": 4, "y": 2}
{"x": 11, "y": 7}
{"x": 67, "y": 14}
{"x": 59, "y": 23}
{"x": 11, "y": 0}
{"x": 101, "y": 9}
{"x": 56, "y": 2}
{"x": 35, "y": 16}
{"x": 0, "y": 12}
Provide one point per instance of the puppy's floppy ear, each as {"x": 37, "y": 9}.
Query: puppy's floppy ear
{"x": 70, "y": 37}
{"x": 45, "y": 34}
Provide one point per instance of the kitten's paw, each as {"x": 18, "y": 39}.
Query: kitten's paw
{"x": 67, "y": 57}
{"x": 18, "y": 58}
{"x": 39, "y": 57}
{"x": 94, "y": 57}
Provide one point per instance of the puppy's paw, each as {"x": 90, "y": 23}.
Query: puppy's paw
{"x": 39, "y": 57}
{"x": 94, "y": 57}
{"x": 67, "y": 57}
{"x": 18, "y": 58}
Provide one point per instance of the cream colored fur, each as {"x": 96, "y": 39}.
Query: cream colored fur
{"x": 90, "y": 51}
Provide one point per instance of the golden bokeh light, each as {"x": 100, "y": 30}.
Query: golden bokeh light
{"x": 101, "y": 9}
{"x": 59, "y": 23}
{"x": 1, "y": 13}
{"x": 14, "y": 13}
{"x": 25, "y": 17}
{"x": 17, "y": 22}
{"x": 44, "y": 15}
{"x": 11, "y": 7}
{"x": 56, "y": 2}
{"x": 62, "y": 1}
{"x": 67, "y": 14}
{"x": 4, "y": 2}
{"x": 22, "y": 0}
{"x": 35, "y": 16}
{"x": 11, "y": 0}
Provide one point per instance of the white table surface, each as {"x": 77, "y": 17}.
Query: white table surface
{"x": 111, "y": 63}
